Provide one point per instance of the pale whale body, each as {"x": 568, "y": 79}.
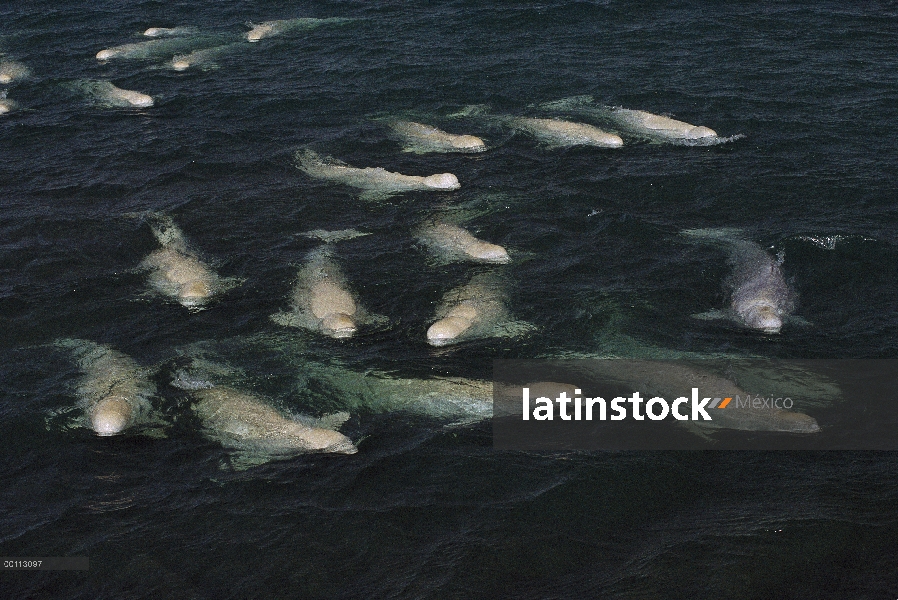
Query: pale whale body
{"x": 761, "y": 298}
{"x": 114, "y": 391}
{"x": 204, "y": 58}
{"x": 176, "y": 271}
{"x": 475, "y": 310}
{"x": 158, "y": 48}
{"x": 376, "y": 181}
{"x": 558, "y": 133}
{"x": 273, "y": 28}
{"x": 244, "y": 422}
{"x": 11, "y": 71}
{"x": 155, "y": 32}
{"x": 322, "y": 301}
{"x": 104, "y": 93}
{"x": 6, "y": 105}
{"x": 452, "y": 243}
{"x": 422, "y": 138}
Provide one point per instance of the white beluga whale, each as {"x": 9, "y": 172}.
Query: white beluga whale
{"x": 475, "y": 310}
{"x": 104, "y": 93}
{"x": 155, "y": 32}
{"x": 558, "y": 133}
{"x": 420, "y": 138}
{"x": 642, "y": 124}
{"x": 6, "y": 105}
{"x": 11, "y": 71}
{"x": 114, "y": 391}
{"x": 323, "y": 301}
{"x": 177, "y": 272}
{"x": 452, "y": 243}
{"x": 273, "y": 28}
{"x": 376, "y": 182}
{"x": 159, "y": 48}
{"x": 204, "y": 58}
{"x": 761, "y": 299}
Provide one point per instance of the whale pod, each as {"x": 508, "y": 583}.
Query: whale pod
{"x": 376, "y": 181}
{"x": 113, "y": 392}
{"x": 453, "y": 243}
{"x": 761, "y": 299}
{"x": 421, "y": 138}
{"x": 556, "y": 132}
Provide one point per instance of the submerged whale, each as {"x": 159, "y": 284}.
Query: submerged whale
{"x": 453, "y": 243}
{"x": 558, "y": 133}
{"x": 322, "y": 300}
{"x": 421, "y": 138}
{"x": 475, "y": 310}
{"x": 272, "y": 28}
{"x": 104, "y": 93}
{"x": 376, "y": 181}
{"x": 175, "y": 270}
{"x": 761, "y": 298}
{"x": 11, "y": 71}
{"x": 203, "y": 58}
{"x": 156, "y": 48}
{"x": 169, "y": 31}
{"x": 114, "y": 391}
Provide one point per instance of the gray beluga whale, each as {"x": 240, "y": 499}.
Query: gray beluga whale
{"x": 452, "y": 243}
{"x": 176, "y": 271}
{"x": 322, "y": 300}
{"x": 11, "y": 71}
{"x": 558, "y": 133}
{"x": 204, "y": 58}
{"x": 114, "y": 391}
{"x": 376, "y": 182}
{"x": 155, "y": 32}
{"x": 420, "y": 138}
{"x": 477, "y": 309}
{"x": 761, "y": 298}
{"x": 273, "y": 28}
{"x": 105, "y": 93}
{"x": 158, "y": 48}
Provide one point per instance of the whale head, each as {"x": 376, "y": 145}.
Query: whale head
{"x": 106, "y": 54}
{"x": 259, "y": 31}
{"x": 328, "y": 440}
{"x": 194, "y": 293}
{"x": 699, "y": 132}
{"x": 111, "y": 415}
{"x": 448, "y": 329}
{"x": 180, "y": 64}
{"x": 468, "y": 142}
{"x": 764, "y": 317}
{"x": 338, "y": 325}
{"x": 5, "y": 77}
{"x": 442, "y": 181}
{"x": 487, "y": 252}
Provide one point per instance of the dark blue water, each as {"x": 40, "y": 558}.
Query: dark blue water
{"x": 426, "y": 511}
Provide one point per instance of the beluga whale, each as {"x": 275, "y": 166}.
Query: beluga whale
{"x": 11, "y": 71}
{"x": 642, "y": 124}
{"x": 454, "y": 244}
{"x": 204, "y": 58}
{"x": 322, "y": 299}
{"x": 177, "y": 272}
{"x": 557, "y": 133}
{"x": 761, "y": 298}
{"x": 114, "y": 391}
{"x": 376, "y": 182}
{"x": 475, "y": 310}
{"x": 273, "y": 28}
{"x": 156, "y": 32}
{"x": 159, "y": 48}
{"x": 420, "y": 139}
{"x": 253, "y": 427}
{"x": 106, "y": 94}
{"x": 6, "y": 105}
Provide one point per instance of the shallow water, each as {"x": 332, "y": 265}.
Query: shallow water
{"x": 424, "y": 510}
